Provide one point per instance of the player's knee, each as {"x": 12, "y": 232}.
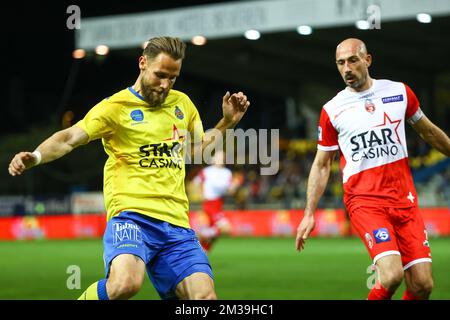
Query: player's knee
{"x": 123, "y": 287}
{"x": 422, "y": 286}
{"x": 205, "y": 295}
{"x": 391, "y": 279}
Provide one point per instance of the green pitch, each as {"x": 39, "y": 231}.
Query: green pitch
{"x": 245, "y": 268}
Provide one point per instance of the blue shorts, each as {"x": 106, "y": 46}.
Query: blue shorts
{"x": 170, "y": 253}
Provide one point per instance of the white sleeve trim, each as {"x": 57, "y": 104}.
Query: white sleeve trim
{"x": 416, "y": 116}
{"x": 409, "y": 265}
{"x": 327, "y": 148}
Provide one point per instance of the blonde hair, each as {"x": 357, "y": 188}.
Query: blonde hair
{"x": 174, "y": 47}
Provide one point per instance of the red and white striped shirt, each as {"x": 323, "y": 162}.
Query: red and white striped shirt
{"x": 368, "y": 128}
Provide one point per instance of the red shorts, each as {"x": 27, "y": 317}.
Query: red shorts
{"x": 388, "y": 231}
{"x": 214, "y": 210}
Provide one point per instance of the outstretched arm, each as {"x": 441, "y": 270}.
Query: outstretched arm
{"x": 433, "y": 135}
{"x": 58, "y": 145}
{"x": 234, "y": 107}
{"x": 317, "y": 182}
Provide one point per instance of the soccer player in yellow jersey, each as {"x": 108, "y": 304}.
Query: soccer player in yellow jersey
{"x": 143, "y": 129}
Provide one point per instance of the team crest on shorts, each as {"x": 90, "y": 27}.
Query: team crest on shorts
{"x": 178, "y": 113}
{"x": 369, "y": 240}
{"x": 370, "y": 106}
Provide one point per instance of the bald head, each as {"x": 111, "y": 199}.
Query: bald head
{"x": 353, "y": 45}
{"x": 353, "y": 63}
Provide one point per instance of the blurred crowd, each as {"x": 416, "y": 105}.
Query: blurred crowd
{"x": 287, "y": 188}
{"x": 284, "y": 189}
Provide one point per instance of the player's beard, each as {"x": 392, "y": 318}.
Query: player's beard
{"x": 357, "y": 83}
{"x": 151, "y": 96}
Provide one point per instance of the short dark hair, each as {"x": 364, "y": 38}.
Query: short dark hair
{"x": 174, "y": 47}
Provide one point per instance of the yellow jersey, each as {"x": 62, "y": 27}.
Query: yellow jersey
{"x": 145, "y": 170}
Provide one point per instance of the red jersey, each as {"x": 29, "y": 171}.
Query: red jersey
{"x": 368, "y": 128}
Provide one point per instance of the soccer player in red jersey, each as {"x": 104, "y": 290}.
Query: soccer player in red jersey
{"x": 366, "y": 123}
{"x": 216, "y": 181}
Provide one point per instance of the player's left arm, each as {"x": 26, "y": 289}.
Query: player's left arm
{"x": 432, "y": 134}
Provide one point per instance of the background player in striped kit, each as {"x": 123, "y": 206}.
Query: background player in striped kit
{"x": 216, "y": 181}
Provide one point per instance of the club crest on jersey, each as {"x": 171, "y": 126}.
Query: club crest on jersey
{"x": 178, "y": 113}
{"x": 381, "y": 235}
{"x": 369, "y": 105}
{"x": 137, "y": 115}
{"x": 369, "y": 240}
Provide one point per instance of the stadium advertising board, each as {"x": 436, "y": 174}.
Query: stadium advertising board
{"x": 248, "y": 223}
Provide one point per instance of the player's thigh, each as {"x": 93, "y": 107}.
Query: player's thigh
{"x": 125, "y": 251}
{"x": 390, "y": 269}
{"x": 376, "y": 230}
{"x": 412, "y": 237}
{"x": 197, "y": 286}
{"x": 127, "y": 268}
{"x": 181, "y": 257}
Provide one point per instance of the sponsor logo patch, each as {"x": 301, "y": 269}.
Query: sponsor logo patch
{"x": 126, "y": 232}
{"x": 137, "y": 115}
{"x": 381, "y": 235}
{"x": 392, "y": 99}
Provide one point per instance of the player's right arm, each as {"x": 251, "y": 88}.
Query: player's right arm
{"x": 100, "y": 122}
{"x": 56, "y": 146}
{"x": 317, "y": 182}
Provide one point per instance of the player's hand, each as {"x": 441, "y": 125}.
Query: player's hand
{"x": 304, "y": 229}
{"x": 234, "y": 107}
{"x": 21, "y": 162}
